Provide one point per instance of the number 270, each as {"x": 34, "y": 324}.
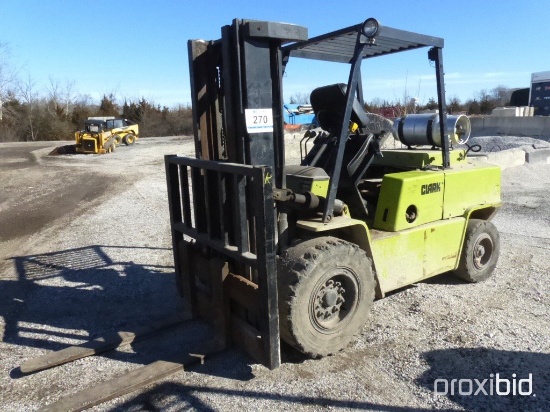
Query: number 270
{"x": 260, "y": 119}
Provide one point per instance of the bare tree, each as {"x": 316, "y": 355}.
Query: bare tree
{"x": 8, "y": 75}
{"x": 299, "y": 98}
{"x": 501, "y": 95}
{"x": 60, "y": 97}
{"x": 29, "y": 96}
{"x": 54, "y": 91}
{"x": 68, "y": 95}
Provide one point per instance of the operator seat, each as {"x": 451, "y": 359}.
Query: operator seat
{"x": 329, "y": 103}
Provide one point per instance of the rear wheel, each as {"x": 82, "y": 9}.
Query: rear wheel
{"x": 129, "y": 139}
{"x": 326, "y": 291}
{"x": 480, "y": 251}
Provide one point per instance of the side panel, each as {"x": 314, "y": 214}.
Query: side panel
{"x": 406, "y": 257}
{"x": 417, "y": 159}
{"x": 409, "y": 199}
{"x": 470, "y": 186}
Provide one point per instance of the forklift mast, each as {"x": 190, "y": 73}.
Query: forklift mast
{"x": 236, "y": 89}
{"x": 221, "y": 203}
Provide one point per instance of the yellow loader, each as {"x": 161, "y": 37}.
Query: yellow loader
{"x": 102, "y": 134}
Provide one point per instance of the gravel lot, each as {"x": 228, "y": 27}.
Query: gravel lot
{"x": 85, "y": 250}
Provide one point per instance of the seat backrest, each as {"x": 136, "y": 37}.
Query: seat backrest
{"x": 329, "y": 103}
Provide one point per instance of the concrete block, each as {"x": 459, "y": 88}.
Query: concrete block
{"x": 505, "y": 111}
{"x": 528, "y": 111}
{"x": 537, "y": 156}
{"x": 538, "y": 126}
{"x": 507, "y": 158}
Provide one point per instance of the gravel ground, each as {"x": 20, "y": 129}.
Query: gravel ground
{"x": 85, "y": 250}
{"x": 498, "y": 143}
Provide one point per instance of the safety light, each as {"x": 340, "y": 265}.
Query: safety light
{"x": 370, "y": 28}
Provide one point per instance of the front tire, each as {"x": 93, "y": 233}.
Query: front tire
{"x": 326, "y": 292}
{"x": 480, "y": 251}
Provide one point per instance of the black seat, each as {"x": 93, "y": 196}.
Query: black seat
{"x": 329, "y": 103}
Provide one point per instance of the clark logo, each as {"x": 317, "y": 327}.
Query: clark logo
{"x": 430, "y": 188}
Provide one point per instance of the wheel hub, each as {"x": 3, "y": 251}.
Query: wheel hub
{"x": 483, "y": 249}
{"x": 328, "y": 301}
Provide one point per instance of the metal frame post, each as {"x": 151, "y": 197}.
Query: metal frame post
{"x": 436, "y": 55}
{"x": 354, "y": 76}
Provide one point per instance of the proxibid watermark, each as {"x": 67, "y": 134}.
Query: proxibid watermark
{"x": 494, "y": 385}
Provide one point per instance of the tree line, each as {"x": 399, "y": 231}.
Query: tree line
{"x": 56, "y": 112}
{"x": 26, "y": 116}
{"x": 483, "y": 104}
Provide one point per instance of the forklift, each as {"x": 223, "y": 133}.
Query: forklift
{"x": 270, "y": 252}
{"x": 273, "y": 253}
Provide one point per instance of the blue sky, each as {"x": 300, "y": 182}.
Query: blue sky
{"x": 138, "y": 48}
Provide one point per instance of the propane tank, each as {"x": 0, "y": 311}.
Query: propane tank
{"x": 423, "y": 129}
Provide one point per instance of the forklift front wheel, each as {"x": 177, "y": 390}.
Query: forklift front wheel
{"x": 326, "y": 291}
{"x": 480, "y": 252}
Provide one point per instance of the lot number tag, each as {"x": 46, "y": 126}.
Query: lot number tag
{"x": 259, "y": 120}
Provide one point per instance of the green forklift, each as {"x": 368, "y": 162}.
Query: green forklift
{"x": 271, "y": 252}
